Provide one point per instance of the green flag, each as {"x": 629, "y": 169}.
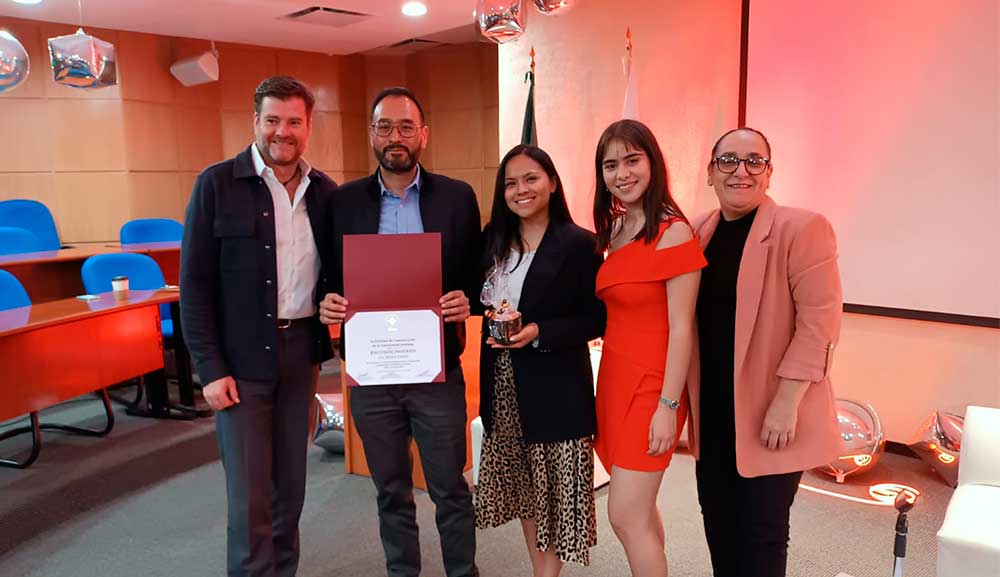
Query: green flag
{"x": 529, "y": 135}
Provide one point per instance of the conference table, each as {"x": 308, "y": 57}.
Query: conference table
{"x": 55, "y": 274}
{"x": 58, "y": 350}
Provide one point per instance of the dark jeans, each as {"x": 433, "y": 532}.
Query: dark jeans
{"x": 263, "y": 442}
{"x": 387, "y": 418}
{"x": 746, "y": 520}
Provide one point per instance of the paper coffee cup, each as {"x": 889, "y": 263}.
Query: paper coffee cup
{"x": 119, "y": 284}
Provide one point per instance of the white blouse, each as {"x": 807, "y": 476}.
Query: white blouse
{"x": 516, "y": 275}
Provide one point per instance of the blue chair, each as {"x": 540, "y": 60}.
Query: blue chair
{"x": 144, "y": 230}
{"x": 143, "y": 274}
{"x": 12, "y": 296}
{"x": 12, "y": 293}
{"x": 15, "y": 240}
{"x": 34, "y": 217}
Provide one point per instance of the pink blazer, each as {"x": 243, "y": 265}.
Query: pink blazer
{"x": 788, "y": 310}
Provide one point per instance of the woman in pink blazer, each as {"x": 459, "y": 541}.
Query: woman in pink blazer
{"x": 762, "y": 405}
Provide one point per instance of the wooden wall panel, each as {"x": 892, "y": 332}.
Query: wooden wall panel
{"x": 87, "y": 135}
{"x": 241, "y": 69}
{"x": 149, "y": 132}
{"x": 353, "y": 95}
{"x": 36, "y": 185}
{"x": 136, "y": 149}
{"x": 491, "y": 136}
{"x": 156, "y": 195}
{"x": 459, "y": 142}
{"x": 318, "y": 71}
{"x": 427, "y": 158}
{"x": 488, "y": 178}
{"x": 90, "y": 206}
{"x": 418, "y": 80}
{"x": 237, "y": 131}
{"x": 448, "y": 68}
{"x": 187, "y": 180}
{"x": 199, "y": 137}
{"x": 489, "y": 74}
{"x": 326, "y": 144}
{"x": 27, "y": 133}
{"x": 357, "y": 146}
{"x": 144, "y": 67}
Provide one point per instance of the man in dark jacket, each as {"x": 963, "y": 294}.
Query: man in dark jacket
{"x": 403, "y": 197}
{"x": 251, "y": 277}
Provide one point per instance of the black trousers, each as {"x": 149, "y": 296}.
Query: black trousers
{"x": 746, "y": 520}
{"x": 387, "y": 418}
{"x": 263, "y": 442}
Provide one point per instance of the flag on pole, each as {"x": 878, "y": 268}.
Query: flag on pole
{"x": 529, "y": 134}
{"x": 631, "y": 107}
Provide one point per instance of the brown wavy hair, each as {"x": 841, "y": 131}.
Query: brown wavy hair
{"x": 657, "y": 202}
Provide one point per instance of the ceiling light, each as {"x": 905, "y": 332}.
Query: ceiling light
{"x": 414, "y": 9}
{"x": 27, "y": 1}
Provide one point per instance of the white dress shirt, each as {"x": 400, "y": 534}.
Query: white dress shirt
{"x": 295, "y": 248}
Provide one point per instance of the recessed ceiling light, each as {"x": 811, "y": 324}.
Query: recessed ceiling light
{"x": 27, "y": 1}
{"x": 414, "y": 9}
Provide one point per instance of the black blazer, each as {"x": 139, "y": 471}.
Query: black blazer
{"x": 447, "y": 206}
{"x": 229, "y": 293}
{"x": 555, "y": 382}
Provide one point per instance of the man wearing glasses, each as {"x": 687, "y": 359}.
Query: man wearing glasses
{"x": 402, "y": 197}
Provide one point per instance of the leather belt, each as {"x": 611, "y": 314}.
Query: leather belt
{"x": 285, "y": 323}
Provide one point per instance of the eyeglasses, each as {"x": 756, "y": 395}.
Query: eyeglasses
{"x": 406, "y": 129}
{"x": 729, "y": 163}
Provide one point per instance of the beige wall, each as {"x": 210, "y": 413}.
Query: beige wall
{"x": 99, "y": 158}
{"x": 457, "y": 86}
{"x": 687, "y": 61}
{"x": 686, "y": 58}
{"x": 907, "y": 369}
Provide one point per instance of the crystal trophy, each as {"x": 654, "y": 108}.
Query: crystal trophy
{"x": 502, "y": 320}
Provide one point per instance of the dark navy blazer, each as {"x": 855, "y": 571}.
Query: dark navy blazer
{"x": 228, "y": 278}
{"x": 447, "y": 206}
{"x": 555, "y": 381}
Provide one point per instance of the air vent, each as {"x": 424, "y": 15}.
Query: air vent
{"x": 414, "y": 44}
{"x": 323, "y": 16}
{"x": 403, "y": 48}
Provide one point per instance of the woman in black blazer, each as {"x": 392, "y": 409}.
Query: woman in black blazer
{"x": 537, "y": 394}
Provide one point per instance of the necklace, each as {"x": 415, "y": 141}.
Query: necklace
{"x": 296, "y": 173}
{"x": 620, "y": 238}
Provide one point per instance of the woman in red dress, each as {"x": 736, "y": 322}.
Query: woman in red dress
{"x": 649, "y": 284}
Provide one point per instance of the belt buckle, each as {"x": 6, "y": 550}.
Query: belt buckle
{"x": 284, "y": 323}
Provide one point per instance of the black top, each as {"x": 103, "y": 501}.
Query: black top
{"x": 447, "y": 206}
{"x": 717, "y": 331}
{"x": 229, "y": 297}
{"x": 555, "y": 381}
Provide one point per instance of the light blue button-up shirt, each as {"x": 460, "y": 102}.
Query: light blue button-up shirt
{"x": 400, "y": 215}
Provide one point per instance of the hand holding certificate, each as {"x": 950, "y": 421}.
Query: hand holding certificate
{"x": 393, "y": 328}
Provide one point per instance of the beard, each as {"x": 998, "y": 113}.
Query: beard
{"x": 263, "y": 146}
{"x": 397, "y": 164}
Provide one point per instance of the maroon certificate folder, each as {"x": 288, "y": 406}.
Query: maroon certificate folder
{"x": 393, "y": 331}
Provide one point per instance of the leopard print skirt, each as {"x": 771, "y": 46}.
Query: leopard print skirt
{"x": 551, "y": 483}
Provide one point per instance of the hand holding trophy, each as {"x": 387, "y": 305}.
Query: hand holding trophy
{"x": 502, "y": 320}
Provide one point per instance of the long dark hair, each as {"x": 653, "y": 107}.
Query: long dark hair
{"x": 657, "y": 202}
{"x": 503, "y": 233}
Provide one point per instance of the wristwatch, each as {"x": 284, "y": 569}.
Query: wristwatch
{"x": 670, "y": 403}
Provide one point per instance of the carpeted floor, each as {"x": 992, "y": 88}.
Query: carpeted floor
{"x": 149, "y": 501}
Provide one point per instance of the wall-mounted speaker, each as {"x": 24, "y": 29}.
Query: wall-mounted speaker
{"x": 197, "y": 69}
